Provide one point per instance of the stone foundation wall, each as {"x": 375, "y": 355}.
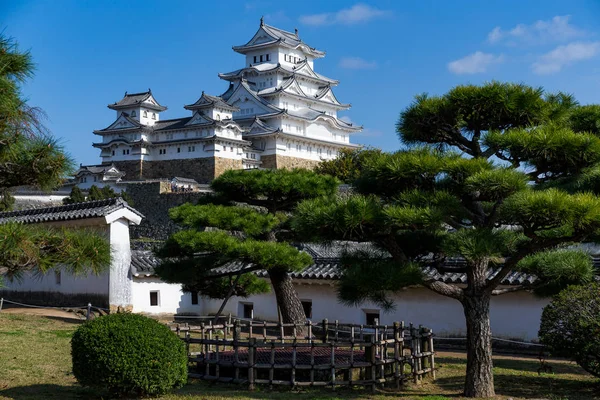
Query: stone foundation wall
{"x": 203, "y": 170}
{"x": 276, "y": 161}
{"x": 225, "y": 164}
{"x": 150, "y": 199}
{"x": 133, "y": 169}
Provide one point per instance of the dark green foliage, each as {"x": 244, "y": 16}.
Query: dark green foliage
{"x": 348, "y": 165}
{"x": 571, "y": 326}
{"x": 27, "y": 247}
{"x": 128, "y": 354}
{"x": 586, "y": 119}
{"x": 495, "y": 175}
{"x": 30, "y": 156}
{"x": 558, "y": 269}
{"x": 250, "y": 211}
{"x": 276, "y": 190}
{"x": 95, "y": 193}
{"x": 76, "y": 196}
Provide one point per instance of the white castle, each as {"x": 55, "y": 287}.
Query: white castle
{"x": 277, "y": 113}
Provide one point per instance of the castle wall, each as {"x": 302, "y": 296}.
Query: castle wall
{"x": 276, "y": 161}
{"x": 203, "y": 170}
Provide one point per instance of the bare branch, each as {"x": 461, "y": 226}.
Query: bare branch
{"x": 444, "y": 289}
{"x": 498, "y": 292}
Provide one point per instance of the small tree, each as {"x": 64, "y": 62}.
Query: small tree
{"x": 347, "y": 166}
{"x": 29, "y": 155}
{"x": 408, "y": 201}
{"x": 76, "y": 196}
{"x": 95, "y": 193}
{"x": 250, "y": 211}
{"x": 571, "y": 326}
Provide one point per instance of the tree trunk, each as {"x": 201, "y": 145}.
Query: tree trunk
{"x": 480, "y": 379}
{"x": 287, "y": 298}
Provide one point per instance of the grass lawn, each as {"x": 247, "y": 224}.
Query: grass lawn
{"x": 35, "y": 363}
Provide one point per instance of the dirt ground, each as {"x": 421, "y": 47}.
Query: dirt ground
{"x": 43, "y": 312}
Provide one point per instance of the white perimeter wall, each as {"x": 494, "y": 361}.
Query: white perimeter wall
{"x": 514, "y": 315}
{"x": 69, "y": 284}
{"x": 171, "y": 299}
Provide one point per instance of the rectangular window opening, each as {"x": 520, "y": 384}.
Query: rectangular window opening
{"x": 372, "y": 317}
{"x": 248, "y": 310}
{"x": 154, "y": 298}
{"x": 58, "y": 277}
{"x": 307, "y": 307}
{"x": 194, "y": 298}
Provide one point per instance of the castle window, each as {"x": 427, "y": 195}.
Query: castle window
{"x": 191, "y": 148}
{"x": 113, "y": 152}
{"x": 253, "y": 156}
{"x": 145, "y": 114}
{"x": 133, "y": 113}
{"x": 261, "y": 58}
{"x": 179, "y": 149}
{"x": 95, "y": 179}
{"x": 57, "y": 277}
{"x": 268, "y": 57}
{"x": 194, "y": 296}
{"x": 231, "y": 149}
{"x": 307, "y": 307}
{"x": 254, "y": 58}
{"x": 154, "y": 298}
{"x": 153, "y": 115}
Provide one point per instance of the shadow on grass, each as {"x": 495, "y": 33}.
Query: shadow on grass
{"x": 67, "y": 320}
{"x": 232, "y": 391}
{"x": 519, "y": 378}
{"x": 48, "y": 391}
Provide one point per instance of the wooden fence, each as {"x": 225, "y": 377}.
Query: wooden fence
{"x": 311, "y": 354}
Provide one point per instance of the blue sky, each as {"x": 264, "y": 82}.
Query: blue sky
{"x": 88, "y": 53}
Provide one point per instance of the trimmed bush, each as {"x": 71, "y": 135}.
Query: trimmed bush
{"x": 571, "y": 326}
{"x": 128, "y": 354}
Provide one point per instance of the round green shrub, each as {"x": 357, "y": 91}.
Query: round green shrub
{"x": 571, "y": 326}
{"x": 128, "y": 354}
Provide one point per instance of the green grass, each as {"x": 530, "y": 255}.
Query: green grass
{"x": 35, "y": 363}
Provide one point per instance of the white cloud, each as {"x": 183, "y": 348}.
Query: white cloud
{"x": 475, "y": 63}
{"x": 358, "y": 13}
{"x": 356, "y": 63}
{"x": 555, "y": 30}
{"x": 562, "y": 56}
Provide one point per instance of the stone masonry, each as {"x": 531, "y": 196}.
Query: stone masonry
{"x": 276, "y": 161}
{"x": 203, "y": 170}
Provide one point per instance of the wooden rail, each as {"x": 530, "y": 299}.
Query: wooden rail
{"x": 310, "y": 354}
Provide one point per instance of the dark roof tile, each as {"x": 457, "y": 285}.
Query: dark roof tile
{"x": 88, "y": 209}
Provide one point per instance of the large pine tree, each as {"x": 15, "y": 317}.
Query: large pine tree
{"x": 250, "y": 212}
{"x": 30, "y": 156}
{"x": 479, "y": 181}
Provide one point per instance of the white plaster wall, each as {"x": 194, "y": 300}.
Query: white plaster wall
{"x": 120, "y": 281}
{"x": 171, "y": 299}
{"x": 514, "y": 315}
{"x": 69, "y": 284}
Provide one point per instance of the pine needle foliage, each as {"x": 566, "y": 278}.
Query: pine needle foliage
{"x": 497, "y": 175}
{"x": 243, "y": 228}
{"x": 30, "y": 156}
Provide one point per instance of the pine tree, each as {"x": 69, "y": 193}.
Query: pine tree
{"x": 480, "y": 180}
{"x": 76, "y": 196}
{"x": 251, "y": 211}
{"x": 30, "y": 156}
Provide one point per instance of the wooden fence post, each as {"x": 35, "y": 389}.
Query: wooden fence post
{"x": 373, "y": 361}
{"x": 397, "y": 355}
{"x": 325, "y": 331}
{"x": 251, "y": 350}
